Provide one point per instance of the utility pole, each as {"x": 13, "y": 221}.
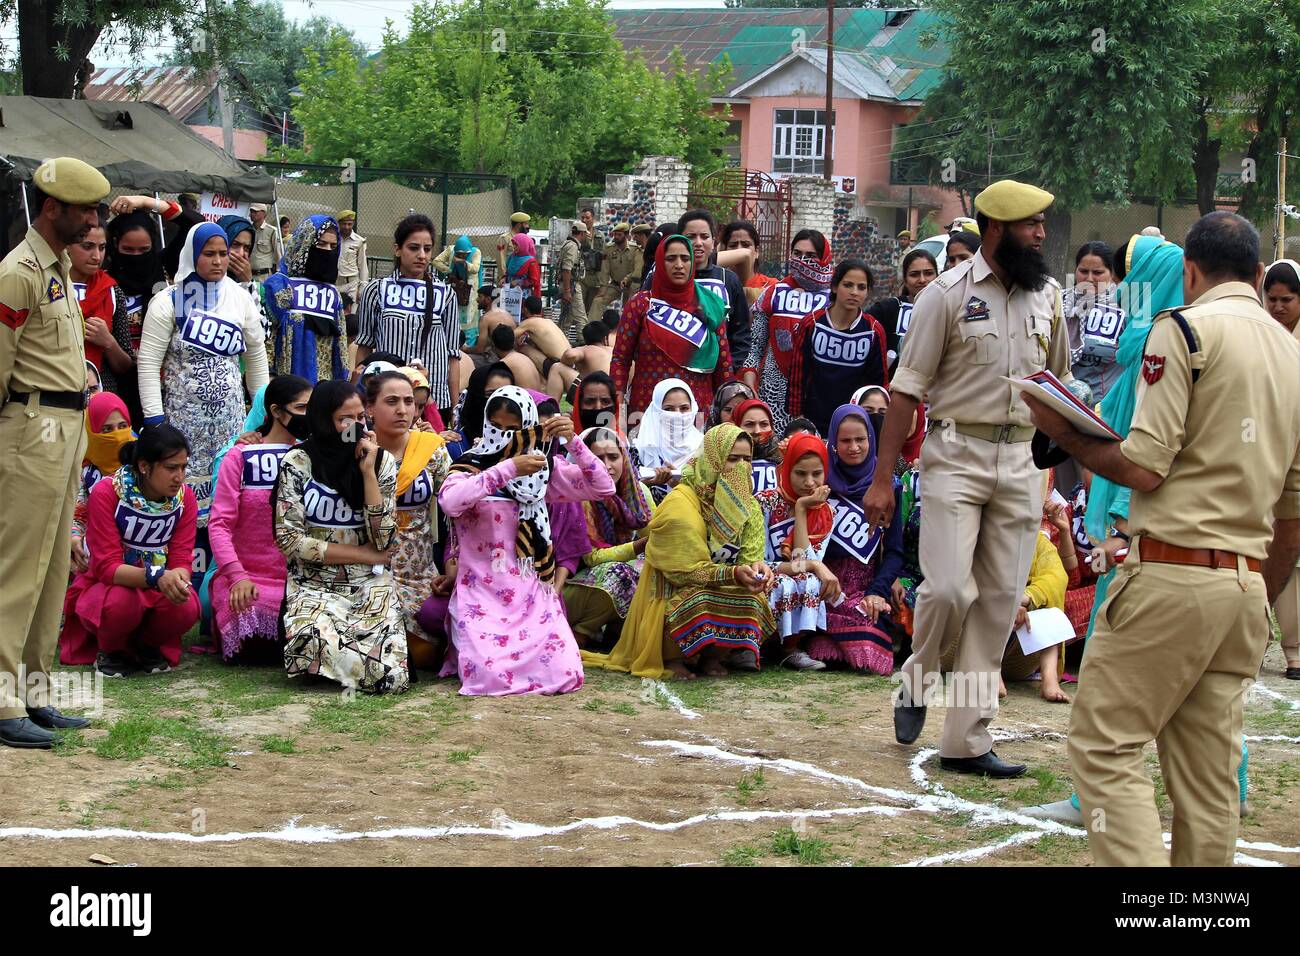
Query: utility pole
{"x": 1279, "y": 220}
{"x": 990, "y": 173}
{"x": 828, "y": 146}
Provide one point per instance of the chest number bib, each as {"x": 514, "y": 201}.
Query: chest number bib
{"x": 262, "y": 465}
{"x": 846, "y": 349}
{"x": 685, "y": 325}
{"x": 326, "y": 508}
{"x": 904, "y": 318}
{"x": 417, "y": 495}
{"x": 145, "y": 532}
{"x": 410, "y": 295}
{"x": 764, "y": 476}
{"x": 314, "y": 298}
{"x": 212, "y": 334}
{"x": 795, "y": 303}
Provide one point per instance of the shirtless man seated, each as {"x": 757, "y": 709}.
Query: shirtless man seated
{"x": 525, "y": 372}
{"x": 545, "y": 339}
{"x": 594, "y": 356}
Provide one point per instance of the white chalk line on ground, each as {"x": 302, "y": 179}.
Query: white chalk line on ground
{"x": 1270, "y": 692}
{"x": 671, "y": 699}
{"x": 960, "y": 856}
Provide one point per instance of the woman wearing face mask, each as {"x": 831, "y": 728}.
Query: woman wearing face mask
{"x": 568, "y": 523}
{"x": 780, "y": 315}
{"x": 838, "y": 349}
{"x": 195, "y": 334}
{"x": 799, "y": 522}
{"x": 755, "y": 419}
{"x": 667, "y": 436}
{"x": 1093, "y": 319}
{"x": 308, "y": 332}
{"x": 472, "y": 410}
{"x": 725, "y": 400}
{"x": 136, "y": 267}
{"x": 240, "y": 268}
{"x": 108, "y": 330}
{"x": 895, "y": 314}
{"x": 129, "y": 609}
{"x": 335, "y": 523}
{"x": 596, "y": 403}
{"x": 247, "y": 587}
{"x": 602, "y": 591}
{"x": 865, "y": 563}
{"x": 508, "y": 630}
{"x": 874, "y": 399}
{"x": 108, "y": 428}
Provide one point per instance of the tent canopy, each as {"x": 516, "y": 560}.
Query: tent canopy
{"x": 137, "y": 146}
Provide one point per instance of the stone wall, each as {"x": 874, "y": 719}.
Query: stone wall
{"x": 859, "y": 236}
{"x": 654, "y": 193}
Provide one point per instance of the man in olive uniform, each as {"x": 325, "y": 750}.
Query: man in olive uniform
{"x": 353, "y": 270}
{"x": 997, "y": 315}
{"x": 519, "y": 222}
{"x": 573, "y": 311}
{"x": 43, "y": 435}
{"x": 618, "y": 273}
{"x": 266, "y": 245}
{"x": 1213, "y": 461}
{"x": 641, "y": 238}
{"x": 593, "y": 256}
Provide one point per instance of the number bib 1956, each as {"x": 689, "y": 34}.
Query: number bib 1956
{"x": 795, "y": 302}
{"x": 326, "y": 508}
{"x": 212, "y": 334}
{"x": 410, "y": 295}
{"x": 262, "y": 464}
{"x": 834, "y": 347}
{"x": 145, "y": 531}
{"x": 314, "y": 298}
{"x": 683, "y": 324}
{"x": 851, "y": 531}
{"x": 764, "y": 476}
{"x": 904, "y": 318}
{"x": 418, "y": 495}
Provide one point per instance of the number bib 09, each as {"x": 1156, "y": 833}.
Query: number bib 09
{"x": 212, "y": 334}
{"x": 1101, "y": 330}
{"x": 325, "y": 508}
{"x": 262, "y": 465}
{"x": 314, "y": 298}
{"x": 418, "y": 495}
{"x": 679, "y": 322}
{"x": 795, "y": 302}
{"x": 851, "y": 531}
{"x": 833, "y": 347}
{"x": 764, "y": 476}
{"x": 904, "y": 318}
{"x": 145, "y": 531}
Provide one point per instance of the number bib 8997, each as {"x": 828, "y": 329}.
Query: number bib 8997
{"x": 144, "y": 531}
{"x": 314, "y": 298}
{"x": 212, "y": 334}
{"x": 410, "y": 295}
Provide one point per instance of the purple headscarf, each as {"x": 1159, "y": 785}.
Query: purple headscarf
{"x": 850, "y": 481}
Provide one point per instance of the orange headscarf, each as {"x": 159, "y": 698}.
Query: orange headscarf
{"x": 822, "y": 517}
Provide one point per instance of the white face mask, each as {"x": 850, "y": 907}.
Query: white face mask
{"x": 677, "y": 425}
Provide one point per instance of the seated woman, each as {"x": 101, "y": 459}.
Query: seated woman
{"x": 595, "y": 403}
{"x": 725, "y": 400}
{"x": 467, "y": 419}
{"x": 335, "y": 523}
{"x": 703, "y": 591}
{"x": 568, "y": 521}
{"x": 865, "y": 563}
{"x": 875, "y": 399}
{"x": 755, "y": 418}
{"x": 602, "y": 590}
{"x": 667, "y": 436}
{"x": 799, "y": 522}
{"x": 427, "y": 416}
{"x": 247, "y": 588}
{"x": 108, "y": 428}
{"x": 508, "y": 630}
{"x": 130, "y": 608}
{"x": 422, "y": 466}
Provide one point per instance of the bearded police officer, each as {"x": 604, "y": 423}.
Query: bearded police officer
{"x": 997, "y": 315}
{"x": 519, "y": 222}
{"x": 43, "y": 437}
{"x": 1213, "y": 461}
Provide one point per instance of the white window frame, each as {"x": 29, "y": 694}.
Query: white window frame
{"x": 786, "y": 153}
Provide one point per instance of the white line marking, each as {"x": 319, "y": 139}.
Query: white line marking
{"x": 1029, "y": 836}
{"x": 1279, "y": 738}
{"x": 672, "y": 699}
{"x": 1270, "y": 692}
{"x": 1267, "y": 847}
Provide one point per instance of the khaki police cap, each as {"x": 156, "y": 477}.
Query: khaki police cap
{"x": 623, "y": 227}
{"x": 346, "y": 214}
{"x": 579, "y": 226}
{"x": 905, "y": 234}
{"x": 1010, "y": 201}
{"x": 71, "y": 180}
{"x": 641, "y": 227}
{"x": 521, "y": 217}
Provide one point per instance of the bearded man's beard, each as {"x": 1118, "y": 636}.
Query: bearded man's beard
{"x": 1025, "y": 267}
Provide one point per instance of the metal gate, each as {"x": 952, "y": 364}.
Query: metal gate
{"x": 750, "y": 194}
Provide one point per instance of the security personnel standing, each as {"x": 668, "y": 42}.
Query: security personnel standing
{"x": 1213, "y": 461}
{"x": 618, "y": 273}
{"x": 519, "y": 222}
{"x": 354, "y": 271}
{"x": 43, "y": 434}
{"x": 997, "y": 315}
{"x": 266, "y": 246}
{"x": 573, "y": 311}
{"x": 593, "y": 257}
{"x": 641, "y": 238}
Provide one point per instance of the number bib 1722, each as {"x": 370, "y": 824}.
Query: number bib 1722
{"x": 417, "y": 495}
{"x": 764, "y": 476}
{"x": 314, "y": 298}
{"x": 679, "y": 322}
{"x": 834, "y": 347}
{"x": 144, "y": 531}
{"x": 326, "y": 508}
{"x": 262, "y": 465}
{"x": 851, "y": 531}
{"x": 796, "y": 302}
{"x": 212, "y": 334}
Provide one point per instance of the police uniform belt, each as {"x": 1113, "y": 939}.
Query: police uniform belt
{"x": 999, "y": 434}
{"x": 1160, "y": 553}
{"x": 72, "y": 400}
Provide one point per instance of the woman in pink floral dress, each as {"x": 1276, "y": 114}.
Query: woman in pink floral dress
{"x": 508, "y": 630}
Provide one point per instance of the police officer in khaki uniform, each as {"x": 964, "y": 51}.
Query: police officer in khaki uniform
{"x": 266, "y": 246}
{"x": 42, "y": 440}
{"x": 640, "y": 238}
{"x": 573, "y": 311}
{"x": 1213, "y": 459}
{"x": 354, "y": 272}
{"x": 622, "y": 264}
{"x": 519, "y": 222}
{"x": 997, "y": 315}
{"x": 593, "y": 256}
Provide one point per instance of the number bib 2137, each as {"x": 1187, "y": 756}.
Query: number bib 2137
{"x": 679, "y": 322}
{"x": 212, "y": 334}
{"x": 145, "y": 531}
{"x": 314, "y": 298}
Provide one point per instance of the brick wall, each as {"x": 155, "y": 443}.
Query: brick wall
{"x": 860, "y": 237}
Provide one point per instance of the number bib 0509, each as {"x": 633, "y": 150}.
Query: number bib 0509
{"x": 326, "y": 508}
{"x": 262, "y": 465}
{"x": 764, "y": 476}
{"x": 212, "y": 334}
{"x": 683, "y": 324}
{"x": 410, "y": 295}
{"x": 851, "y": 531}
{"x": 145, "y": 531}
{"x": 833, "y": 347}
{"x": 314, "y": 298}
{"x": 795, "y": 302}
{"x": 417, "y": 495}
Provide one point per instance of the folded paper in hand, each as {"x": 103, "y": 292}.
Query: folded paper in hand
{"x": 1049, "y": 390}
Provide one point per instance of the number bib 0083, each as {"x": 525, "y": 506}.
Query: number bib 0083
{"x": 683, "y": 324}
{"x": 314, "y": 298}
{"x": 764, "y": 476}
{"x": 851, "y": 531}
{"x": 418, "y": 495}
{"x": 795, "y": 302}
{"x": 262, "y": 465}
{"x": 325, "y": 508}
{"x": 833, "y": 347}
{"x": 145, "y": 531}
{"x": 212, "y": 334}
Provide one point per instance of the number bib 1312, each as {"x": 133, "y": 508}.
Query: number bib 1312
{"x": 314, "y": 298}
{"x": 145, "y": 531}
{"x": 212, "y": 334}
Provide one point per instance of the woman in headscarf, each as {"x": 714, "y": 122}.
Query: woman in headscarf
{"x": 308, "y": 332}
{"x": 703, "y": 590}
{"x": 875, "y": 399}
{"x": 667, "y": 436}
{"x": 779, "y": 315}
{"x": 242, "y": 238}
{"x": 675, "y": 329}
{"x": 195, "y": 334}
{"x": 595, "y": 403}
{"x": 472, "y": 410}
{"x": 336, "y": 525}
{"x": 108, "y": 428}
{"x": 603, "y": 589}
{"x": 462, "y": 264}
{"x": 507, "y": 625}
{"x": 1093, "y": 319}
{"x": 568, "y": 523}
{"x": 754, "y": 418}
{"x": 136, "y": 266}
{"x": 725, "y": 400}
{"x": 864, "y": 562}
{"x": 522, "y": 270}
{"x": 247, "y": 585}
{"x": 108, "y": 330}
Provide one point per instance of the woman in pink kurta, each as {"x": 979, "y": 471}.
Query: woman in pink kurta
{"x": 508, "y": 630}
{"x": 248, "y": 585}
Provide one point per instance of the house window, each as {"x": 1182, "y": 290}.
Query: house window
{"x": 799, "y": 141}
{"x": 732, "y": 149}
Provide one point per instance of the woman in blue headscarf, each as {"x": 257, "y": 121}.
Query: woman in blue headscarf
{"x": 242, "y": 237}
{"x": 462, "y": 264}
{"x": 308, "y": 336}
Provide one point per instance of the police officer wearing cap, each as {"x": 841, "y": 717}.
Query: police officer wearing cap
{"x": 1213, "y": 461}
{"x": 997, "y": 315}
{"x": 267, "y": 247}
{"x": 617, "y": 273}
{"x": 572, "y": 268}
{"x": 354, "y": 271}
{"x": 43, "y": 434}
{"x": 519, "y": 222}
{"x": 640, "y": 238}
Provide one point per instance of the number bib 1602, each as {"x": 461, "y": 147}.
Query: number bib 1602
{"x": 262, "y": 465}
{"x": 145, "y": 531}
{"x": 212, "y": 334}
{"x": 764, "y": 476}
{"x": 794, "y": 302}
{"x": 834, "y": 347}
{"x": 851, "y": 531}
{"x": 410, "y": 295}
{"x": 679, "y": 322}
{"x": 418, "y": 495}
{"x": 904, "y": 318}
{"x": 325, "y": 508}
{"x": 314, "y": 298}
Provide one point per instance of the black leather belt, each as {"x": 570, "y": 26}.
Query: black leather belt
{"x": 76, "y": 401}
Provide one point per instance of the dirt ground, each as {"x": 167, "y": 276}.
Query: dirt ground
{"x": 212, "y": 765}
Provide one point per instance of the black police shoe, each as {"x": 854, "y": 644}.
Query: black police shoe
{"x": 909, "y": 719}
{"x": 21, "y": 732}
{"x": 51, "y": 719}
{"x": 988, "y": 765}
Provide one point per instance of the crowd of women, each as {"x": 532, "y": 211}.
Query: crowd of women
{"x": 695, "y": 512}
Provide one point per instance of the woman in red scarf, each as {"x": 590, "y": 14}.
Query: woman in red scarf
{"x": 799, "y": 522}
{"x": 108, "y": 331}
{"x": 674, "y": 329}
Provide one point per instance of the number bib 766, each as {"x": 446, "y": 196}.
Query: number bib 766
{"x": 212, "y": 334}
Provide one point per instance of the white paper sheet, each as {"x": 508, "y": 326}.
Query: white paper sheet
{"x": 1047, "y": 627}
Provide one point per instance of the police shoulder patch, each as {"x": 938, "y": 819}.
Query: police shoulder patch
{"x": 55, "y": 290}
